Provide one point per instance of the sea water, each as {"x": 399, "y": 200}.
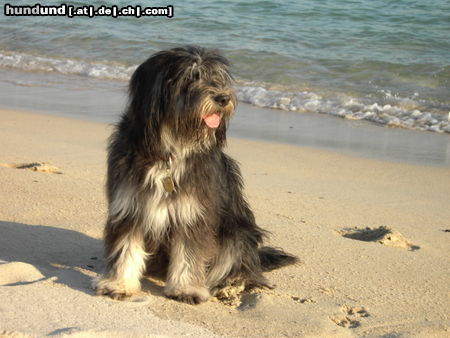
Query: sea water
{"x": 383, "y": 61}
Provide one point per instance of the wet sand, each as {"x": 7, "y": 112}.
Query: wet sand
{"x": 103, "y": 101}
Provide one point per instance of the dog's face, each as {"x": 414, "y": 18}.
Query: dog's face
{"x": 186, "y": 91}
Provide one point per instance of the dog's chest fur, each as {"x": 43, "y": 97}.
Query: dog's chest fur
{"x": 181, "y": 207}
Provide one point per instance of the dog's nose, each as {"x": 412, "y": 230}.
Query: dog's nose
{"x": 222, "y": 100}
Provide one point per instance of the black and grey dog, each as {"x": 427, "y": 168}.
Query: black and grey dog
{"x": 176, "y": 205}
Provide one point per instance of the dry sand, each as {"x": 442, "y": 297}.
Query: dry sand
{"x": 370, "y": 234}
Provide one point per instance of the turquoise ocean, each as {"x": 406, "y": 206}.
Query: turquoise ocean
{"x": 386, "y": 62}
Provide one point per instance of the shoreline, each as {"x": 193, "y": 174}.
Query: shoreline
{"x": 311, "y": 200}
{"x": 380, "y": 106}
{"x": 103, "y": 101}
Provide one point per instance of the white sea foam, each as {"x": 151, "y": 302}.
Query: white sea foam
{"x": 28, "y": 62}
{"x": 347, "y": 107}
{"x": 300, "y": 101}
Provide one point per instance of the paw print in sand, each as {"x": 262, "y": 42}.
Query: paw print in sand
{"x": 351, "y": 318}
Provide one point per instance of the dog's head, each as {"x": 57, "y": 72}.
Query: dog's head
{"x": 185, "y": 92}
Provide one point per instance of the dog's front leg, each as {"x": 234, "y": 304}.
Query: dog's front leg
{"x": 186, "y": 281}
{"x": 125, "y": 255}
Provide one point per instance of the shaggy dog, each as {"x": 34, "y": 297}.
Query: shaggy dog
{"x": 176, "y": 205}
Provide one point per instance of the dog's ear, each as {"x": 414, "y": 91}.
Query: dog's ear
{"x": 146, "y": 103}
{"x": 145, "y": 91}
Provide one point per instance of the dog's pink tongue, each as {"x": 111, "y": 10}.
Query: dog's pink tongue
{"x": 212, "y": 120}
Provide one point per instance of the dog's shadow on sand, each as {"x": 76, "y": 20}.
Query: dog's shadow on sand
{"x": 66, "y": 256}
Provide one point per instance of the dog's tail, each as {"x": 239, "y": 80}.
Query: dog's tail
{"x": 274, "y": 258}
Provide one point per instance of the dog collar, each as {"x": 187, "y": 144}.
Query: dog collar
{"x": 168, "y": 183}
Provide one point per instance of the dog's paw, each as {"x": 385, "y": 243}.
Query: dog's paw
{"x": 192, "y": 295}
{"x": 115, "y": 289}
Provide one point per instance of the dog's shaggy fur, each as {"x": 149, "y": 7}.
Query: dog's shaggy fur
{"x": 176, "y": 205}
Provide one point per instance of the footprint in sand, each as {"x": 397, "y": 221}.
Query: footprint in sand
{"x": 231, "y": 294}
{"x": 303, "y": 300}
{"x": 34, "y": 166}
{"x": 351, "y": 318}
{"x": 382, "y": 235}
{"x": 235, "y": 294}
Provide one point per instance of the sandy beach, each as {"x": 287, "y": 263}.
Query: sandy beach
{"x": 373, "y": 238}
